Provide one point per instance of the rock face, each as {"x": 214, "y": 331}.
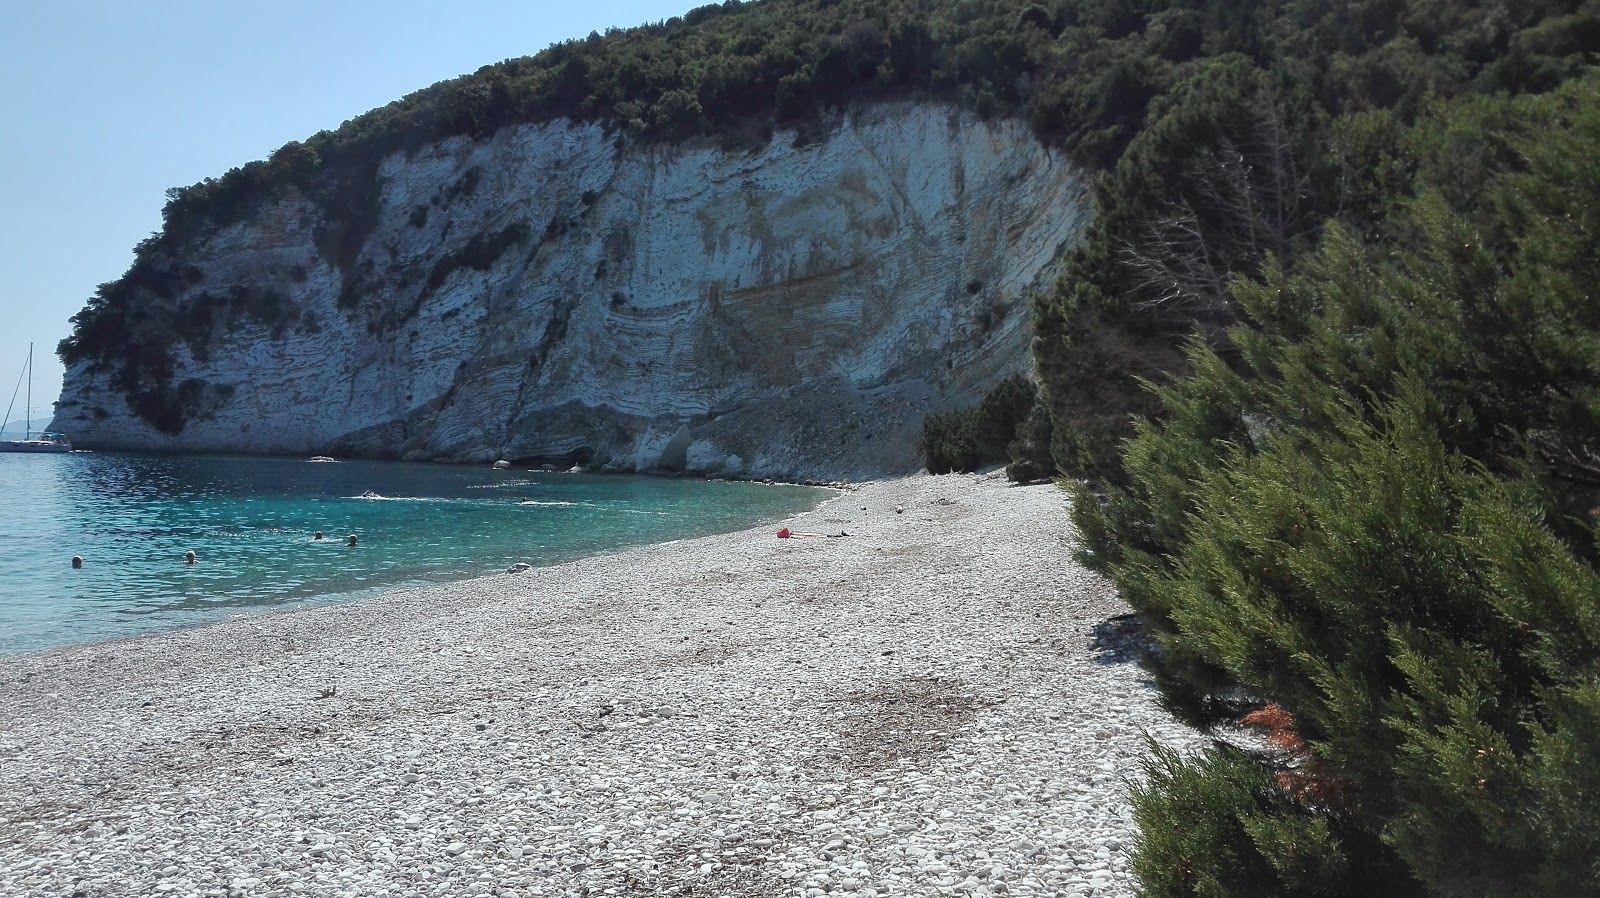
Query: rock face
{"x": 552, "y": 294}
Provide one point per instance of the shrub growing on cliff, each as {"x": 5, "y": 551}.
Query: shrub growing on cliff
{"x": 1375, "y": 515}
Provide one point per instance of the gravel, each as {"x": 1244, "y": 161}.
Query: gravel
{"x": 940, "y": 703}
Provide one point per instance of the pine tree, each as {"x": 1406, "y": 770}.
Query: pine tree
{"x": 1369, "y": 521}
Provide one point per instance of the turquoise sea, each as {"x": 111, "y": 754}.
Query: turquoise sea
{"x": 250, "y": 522}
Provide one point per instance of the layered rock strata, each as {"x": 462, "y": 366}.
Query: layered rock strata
{"x": 553, "y": 293}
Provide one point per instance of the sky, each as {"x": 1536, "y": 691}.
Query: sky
{"x": 106, "y": 103}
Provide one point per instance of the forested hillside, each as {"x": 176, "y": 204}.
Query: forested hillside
{"x": 1226, "y": 131}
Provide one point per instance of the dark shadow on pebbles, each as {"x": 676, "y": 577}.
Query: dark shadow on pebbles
{"x": 1120, "y": 640}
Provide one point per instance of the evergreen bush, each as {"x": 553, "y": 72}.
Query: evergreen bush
{"x": 1374, "y": 512}
{"x": 1221, "y": 824}
{"x": 968, "y": 439}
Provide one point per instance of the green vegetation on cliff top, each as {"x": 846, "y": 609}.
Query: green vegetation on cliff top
{"x": 1115, "y": 83}
{"x": 1081, "y": 71}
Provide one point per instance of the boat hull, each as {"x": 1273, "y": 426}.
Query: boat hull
{"x": 34, "y": 446}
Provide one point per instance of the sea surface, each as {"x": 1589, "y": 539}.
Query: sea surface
{"x": 250, "y": 521}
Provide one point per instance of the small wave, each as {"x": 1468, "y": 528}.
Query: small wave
{"x": 558, "y": 504}
{"x": 374, "y": 497}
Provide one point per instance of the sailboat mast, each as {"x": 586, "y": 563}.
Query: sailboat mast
{"x": 27, "y": 423}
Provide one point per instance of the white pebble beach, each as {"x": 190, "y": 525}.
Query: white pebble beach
{"x": 939, "y": 703}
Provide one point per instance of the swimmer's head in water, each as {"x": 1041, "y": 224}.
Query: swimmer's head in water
{"x": 318, "y": 535}
{"x": 189, "y": 557}
{"x": 77, "y": 561}
{"x": 351, "y": 539}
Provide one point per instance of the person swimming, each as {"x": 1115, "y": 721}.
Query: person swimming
{"x": 190, "y": 558}
{"x": 77, "y": 561}
{"x": 350, "y": 540}
{"x": 317, "y": 535}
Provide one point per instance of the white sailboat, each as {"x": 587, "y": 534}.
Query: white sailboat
{"x": 44, "y": 442}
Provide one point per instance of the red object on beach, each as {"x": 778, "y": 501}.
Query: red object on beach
{"x": 784, "y": 533}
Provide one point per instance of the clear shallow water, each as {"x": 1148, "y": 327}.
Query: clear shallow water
{"x": 250, "y": 521}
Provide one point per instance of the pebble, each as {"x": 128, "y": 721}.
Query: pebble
{"x": 630, "y": 724}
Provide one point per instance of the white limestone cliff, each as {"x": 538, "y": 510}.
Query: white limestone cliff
{"x": 551, "y": 293}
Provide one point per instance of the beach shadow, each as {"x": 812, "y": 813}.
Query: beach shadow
{"x": 1120, "y": 640}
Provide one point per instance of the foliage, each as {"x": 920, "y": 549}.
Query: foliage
{"x": 1220, "y": 824}
{"x": 1029, "y": 452}
{"x": 479, "y": 254}
{"x": 1290, "y": 116}
{"x": 968, "y": 439}
{"x": 1200, "y": 115}
{"x": 1374, "y": 511}
{"x": 947, "y": 444}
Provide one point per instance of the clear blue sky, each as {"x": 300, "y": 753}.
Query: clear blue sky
{"x": 106, "y": 104}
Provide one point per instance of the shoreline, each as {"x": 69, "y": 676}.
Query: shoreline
{"x": 842, "y": 483}
{"x": 934, "y": 702}
{"x": 66, "y": 624}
